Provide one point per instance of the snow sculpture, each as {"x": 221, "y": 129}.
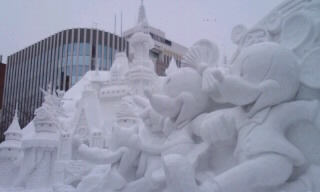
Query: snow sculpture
{"x": 175, "y": 114}
{"x": 117, "y": 87}
{"x": 237, "y": 34}
{"x": 302, "y": 41}
{"x": 260, "y": 122}
{"x": 40, "y": 151}
{"x": 257, "y": 111}
{"x": 257, "y": 77}
{"x": 88, "y": 118}
{"x": 294, "y": 24}
{"x": 249, "y": 125}
{"x": 141, "y": 72}
{"x": 95, "y": 79}
{"x": 120, "y": 66}
{"x": 121, "y": 156}
{"x": 125, "y": 125}
{"x": 87, "y": 127}
{"x": 10, "y": 152}
{"x": 65, "y": 146}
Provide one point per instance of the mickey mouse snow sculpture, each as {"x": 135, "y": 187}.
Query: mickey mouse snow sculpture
{"x": 262, "y": 84}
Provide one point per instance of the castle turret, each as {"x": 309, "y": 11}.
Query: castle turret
{"x": 12, "y": 141}
{"x": 40, "y": 151}
{"x": 95, "y": 79}
{"x": 88, "y": 118}
{"x": 10, "y": 152}
{"x": 65, "y": 146}
{"x": 117, "y": 86}
{"x": 141, "y": 73}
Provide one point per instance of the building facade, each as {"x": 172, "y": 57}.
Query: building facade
{"x": 164, "y": 49}
{"x": 61, "y": 59}
{"x": 2, "y": 78}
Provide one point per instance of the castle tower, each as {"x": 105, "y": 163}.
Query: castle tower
{"x": 95, "y": 78}
{"x": 117, "y": 86}
{"x": 88, "y": 118}
{"x": 65, "y": 146}
{"x": 40, "y": 151}
{"x": 10, "y": 152}
{"x": 141, "y": 73}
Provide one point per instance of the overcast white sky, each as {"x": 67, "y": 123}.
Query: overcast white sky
{"x": 24, "y": 22}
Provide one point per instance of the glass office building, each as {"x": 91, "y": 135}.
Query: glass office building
{"x": 61, "y": 59}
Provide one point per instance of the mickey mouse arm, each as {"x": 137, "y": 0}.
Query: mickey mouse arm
{"x": 152, "y": 149}
{"x": 99, "y": 156}
{"x": 217, "y": 126}
{"x": 289, "y": 113}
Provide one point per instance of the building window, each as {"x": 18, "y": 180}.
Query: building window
{"x": 81, "y": 46}
{"x": 88, "y": 60}
{"x": 110, "y": 56}
{"x": 80, "y": 70}
{"x": 80, "y": 62}
{"x": 69, "y": 49}
{"x": 86, "y": 68}
{"x": 88, "y": 49}
{"x": 64, "y": 48}
{"x": 69, "y": 62}
{"x": 74, "y": 60}
{"x": 74, "y": 71}
{"x": 74, "y": 80}
{"x": 75, "y": 48}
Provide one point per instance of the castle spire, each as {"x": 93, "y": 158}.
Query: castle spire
{"x": 16, "y": 113}
{"x": 14, "y": 130}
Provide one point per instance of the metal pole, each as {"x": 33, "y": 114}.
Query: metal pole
{"x": 115, "y": 24}
{"x": 121, "y": 24}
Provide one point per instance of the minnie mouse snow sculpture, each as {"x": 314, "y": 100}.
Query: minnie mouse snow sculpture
{"x": 174, "y": 113}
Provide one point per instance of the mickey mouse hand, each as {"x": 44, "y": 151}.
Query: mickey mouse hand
{"x": 152, "y": 120}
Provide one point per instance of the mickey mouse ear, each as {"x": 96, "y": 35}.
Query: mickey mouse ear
{"x": 297, "y": 31}
{"x": 310, "y": 69}
{"x": 237, "y": 33}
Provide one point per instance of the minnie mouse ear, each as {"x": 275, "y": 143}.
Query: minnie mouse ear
{"x": 202, "y": 52}
{"x": 310, "y": 69}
